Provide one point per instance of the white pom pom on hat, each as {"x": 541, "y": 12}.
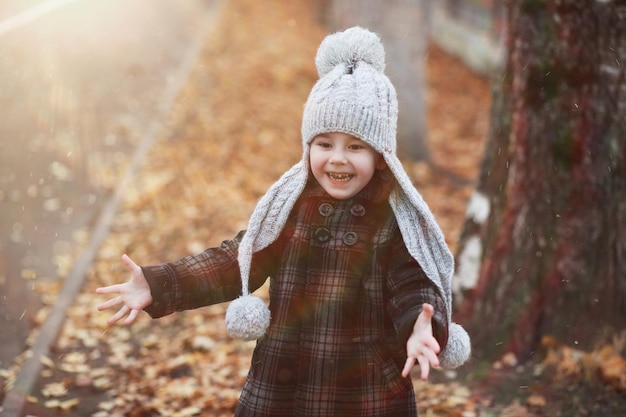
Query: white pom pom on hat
{"x": 349, "y": 47}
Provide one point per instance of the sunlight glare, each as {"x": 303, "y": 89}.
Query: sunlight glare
{"x": 31, "y": 14}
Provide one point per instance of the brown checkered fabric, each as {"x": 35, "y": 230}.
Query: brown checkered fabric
{"x": 344, "y": 295}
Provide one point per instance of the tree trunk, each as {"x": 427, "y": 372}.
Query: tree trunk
{"x": 543, "y": 250}
{"x": 403, "y": 30}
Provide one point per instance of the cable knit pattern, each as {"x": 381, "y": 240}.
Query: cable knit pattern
{"x": 352, "y": 96}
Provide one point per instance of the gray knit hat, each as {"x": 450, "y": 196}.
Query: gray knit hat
{"x": 353, "y": 96}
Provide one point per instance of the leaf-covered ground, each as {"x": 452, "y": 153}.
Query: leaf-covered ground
{"x": 233, "y": 131}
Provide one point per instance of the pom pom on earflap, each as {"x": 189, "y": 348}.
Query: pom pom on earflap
{"x": 457, "y": 350}
{"x": 247, "y": 317}
{"x": 349, "y": 47}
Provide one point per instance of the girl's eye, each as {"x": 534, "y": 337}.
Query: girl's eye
{"x": 356, "y": 147}
{"x": 323, "y": 144}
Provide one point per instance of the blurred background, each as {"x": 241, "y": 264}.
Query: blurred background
{"x": 80, "y": 83}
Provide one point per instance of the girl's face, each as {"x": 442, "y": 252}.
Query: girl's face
{"x": 343, "y": 164}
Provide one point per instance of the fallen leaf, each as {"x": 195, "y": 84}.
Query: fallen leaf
{"x": 536, "y": 400}
{"x": 509, "y": 360}
{"x": 54, "y": 389}
{"x": 613, "y": 372}
{"x": 46, "y": 361}
{"x": 69, "y": 404}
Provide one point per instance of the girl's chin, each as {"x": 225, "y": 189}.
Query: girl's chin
{"x": 340, "y": 192}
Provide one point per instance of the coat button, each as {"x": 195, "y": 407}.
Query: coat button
{"x": 322, "y": 234}
{"x": 358, "y": 210}
{"x": 326, "y": 209}
{"x": 350, "y": 238}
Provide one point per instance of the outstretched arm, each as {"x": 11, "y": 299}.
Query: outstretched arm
{"x": 422, "y": 345}
{"x": 133, "y": 295}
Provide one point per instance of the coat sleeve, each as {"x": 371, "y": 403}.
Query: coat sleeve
{"x": 210, "y": 277}
{"x": 409, "y": 288}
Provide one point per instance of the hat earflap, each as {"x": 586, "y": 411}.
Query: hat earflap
{"x": 248, "y": 316}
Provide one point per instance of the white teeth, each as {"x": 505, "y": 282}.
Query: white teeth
{"x": 340, "y": 177}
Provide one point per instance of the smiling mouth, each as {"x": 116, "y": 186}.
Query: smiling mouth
{"x": 340, "y": 177}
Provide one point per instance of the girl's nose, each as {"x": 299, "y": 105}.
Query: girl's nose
{"x": 338, "y": 157}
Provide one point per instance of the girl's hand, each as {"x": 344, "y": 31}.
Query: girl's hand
{"x": 133, "y": 295}
{"x": 422, "y": 345}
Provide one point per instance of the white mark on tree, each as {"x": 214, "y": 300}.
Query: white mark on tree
{"x": 468, "y": 268}
{"x": 478, "y": 208}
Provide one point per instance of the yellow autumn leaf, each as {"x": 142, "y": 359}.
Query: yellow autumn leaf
{"x": 46, "y": 361}
{"x": 54, "y": 389}
{"x": 536, "y": 400}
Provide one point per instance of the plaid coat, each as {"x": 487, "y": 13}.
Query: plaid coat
{"x": 344, "y": 296}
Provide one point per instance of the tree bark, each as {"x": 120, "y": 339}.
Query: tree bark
{"x": 543, "y": 249}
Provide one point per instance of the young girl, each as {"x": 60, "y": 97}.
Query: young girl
{"x": 359, "y": 269}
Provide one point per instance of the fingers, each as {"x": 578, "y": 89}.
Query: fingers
{"x": 123, "y": 311}
{"x": 425, "y": 317}
{"x": 432, "y": 344}
{"x": 117, "y": 316}
{"x": 424, "y": 367}
{"x": 427, "y": 311}
{"x": 121, "y": 289}
{"x": 410, "y": 361}
{"x": 422, "y": 347}
{"x": 111, "y": 289}
{"x": 131, "y": 317}
{"x": 431, "y": 357}
{"x": 113, "y": 302}
{"x": 129, "y": 264}
{"x": 425, "y": 360}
